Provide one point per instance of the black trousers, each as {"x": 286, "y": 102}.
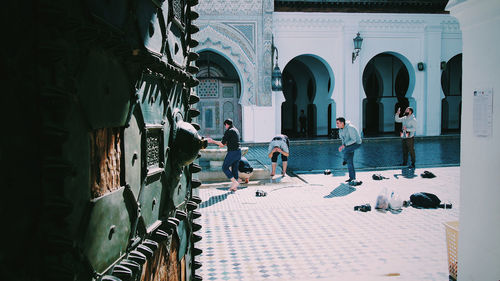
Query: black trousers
{"x": 409, "y": 146}
{"x": 302, "y": 129}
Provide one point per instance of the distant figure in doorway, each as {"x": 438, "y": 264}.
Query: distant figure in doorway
{"x": 279, "y": 145}
{"x": 407, "y": 134}
{"x": 351, "y": 140}
{"x": 245, "y": 170}
{"x": 302, "y": 123}
{"x": 231, "y": 138}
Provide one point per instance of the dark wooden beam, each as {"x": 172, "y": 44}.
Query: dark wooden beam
{"x": 387, "y": 6}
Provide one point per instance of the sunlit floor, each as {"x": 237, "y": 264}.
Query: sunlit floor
{"x": 306, "y": 229}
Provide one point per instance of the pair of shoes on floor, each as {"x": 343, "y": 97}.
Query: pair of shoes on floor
{"x": 355, "y": 183}
{"x": 349, "y": 180}
{"x": 260, "y": 193}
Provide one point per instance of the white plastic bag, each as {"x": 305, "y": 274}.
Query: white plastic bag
{"x": 395, "y": 202}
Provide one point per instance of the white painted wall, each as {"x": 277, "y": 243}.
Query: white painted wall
{"x": 278, "y": 99}
{"x": 413, "y": 38}
{"x": 479, "y": 231}
{"x": 262, "y": 123}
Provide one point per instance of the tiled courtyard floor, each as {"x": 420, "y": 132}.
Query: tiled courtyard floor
{"x": 306, "y": 229}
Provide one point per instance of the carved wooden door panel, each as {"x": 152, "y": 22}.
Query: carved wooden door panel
{"x": 229, "y": 104}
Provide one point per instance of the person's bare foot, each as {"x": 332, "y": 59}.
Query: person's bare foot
{"x": 234, "y": 186}
{"x": 272, "y": 175}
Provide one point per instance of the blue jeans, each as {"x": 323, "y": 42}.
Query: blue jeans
{"x": 232, "y": 160}
{"x": 348, "y": 153}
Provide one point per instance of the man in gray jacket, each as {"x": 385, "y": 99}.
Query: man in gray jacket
{"x": 351, "y": 140}
{"x": 407, "y": 134}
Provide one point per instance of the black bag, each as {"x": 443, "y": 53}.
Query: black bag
{"x": 424, "y": 200}
{"x": 378, "y": 177}
{"x": 427, "y": 174}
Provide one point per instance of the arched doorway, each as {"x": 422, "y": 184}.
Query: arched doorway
{"x": 386, "y": 83}
{"x": 451, "y": 105}
{"x": 219, "y": 92}
{"x": 307, "y": 86}
{"x": 289, "y": 107}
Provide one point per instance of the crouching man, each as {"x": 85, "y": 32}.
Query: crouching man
{"x": 245, "y": 170}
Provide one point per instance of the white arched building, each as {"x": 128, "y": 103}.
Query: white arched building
{"x": 406, "y": 59}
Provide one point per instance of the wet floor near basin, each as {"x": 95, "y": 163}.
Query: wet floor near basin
{"x": 373, "y": 154}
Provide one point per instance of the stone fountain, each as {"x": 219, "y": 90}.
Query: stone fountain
{"x": 215, "y": 155}
{"x": 212, "y": 159}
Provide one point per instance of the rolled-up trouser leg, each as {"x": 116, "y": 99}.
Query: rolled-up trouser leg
{"x": 232, "y": 160}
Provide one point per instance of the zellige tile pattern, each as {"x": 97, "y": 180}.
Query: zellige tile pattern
{"x": 309, "y": 230}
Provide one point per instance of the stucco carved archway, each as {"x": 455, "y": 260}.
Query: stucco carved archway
{"x": 231, "y": 45}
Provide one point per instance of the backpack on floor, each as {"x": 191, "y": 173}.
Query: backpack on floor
{"x": 424, "y": 200}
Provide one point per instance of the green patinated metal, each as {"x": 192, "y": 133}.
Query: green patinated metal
{"x": 108, "y": 231}
{"x": 103, "y": 90}
{"x": 151, "y": 200}
{"x": 133, "y": 154}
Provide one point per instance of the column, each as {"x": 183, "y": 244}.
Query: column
{"x": 432, "y": 94}
{"x": 278, "y": 99}
{"x": 352, "y": 104}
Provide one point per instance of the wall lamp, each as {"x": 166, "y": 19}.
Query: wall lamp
{"x": 357, "y": 47}
{"x": 276, "y": 75}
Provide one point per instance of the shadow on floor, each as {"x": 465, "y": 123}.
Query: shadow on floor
{"x": 214, "y": 199}
{"x": 341, "y": 190}
{"x": 218, "y": 198}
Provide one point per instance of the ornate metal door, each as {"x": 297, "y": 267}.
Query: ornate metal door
{"x": 110, "y": 93}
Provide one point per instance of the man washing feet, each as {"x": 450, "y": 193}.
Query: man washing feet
{"x": 231, "y": 138}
